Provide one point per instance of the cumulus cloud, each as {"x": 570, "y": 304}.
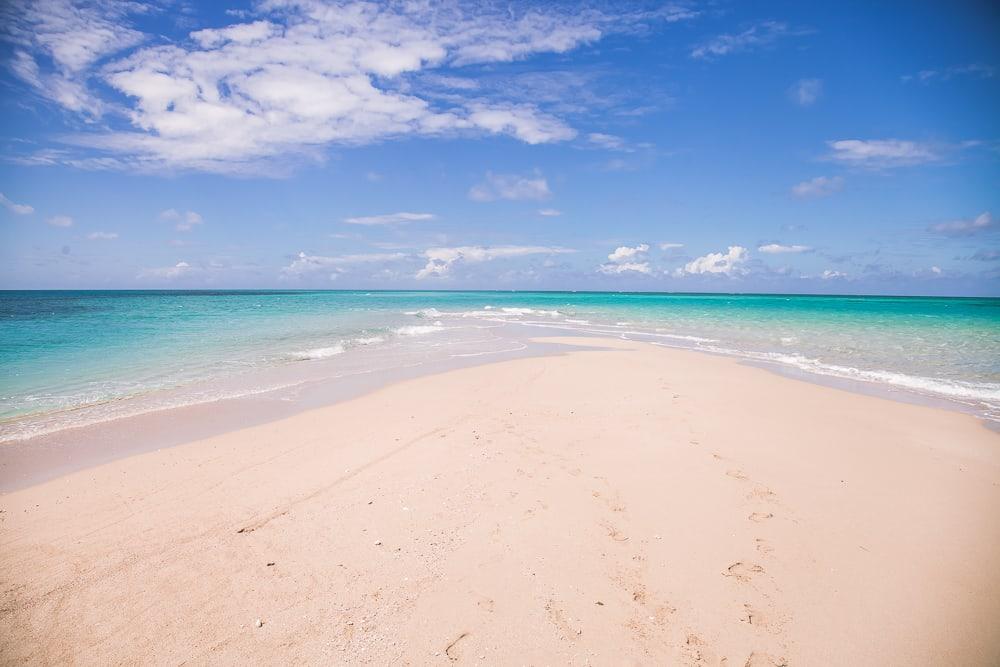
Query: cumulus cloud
{"x": 102, "y": 236}
{"x": 510, "y": 186}
{"x": 293, "y": 77}
{"x": 821, "y": 186}
{"x": 882, "y": 153}
{"x": 549, "y": 212}
{"x": 627, "y": 259}
{"x": 60, "y": 221}
{"x": 805, "y": 92}
{"x": 728, "y": 263}
{"x": 758, "y": 35}
{"x": 777, "y": 248}
{"x": 18, "y": 209}
{"x": 440, "y": 261}
{"x": 185, "y": 220}
{"x": 830, "y": 274}
{"x": 984, "y": 222}
{"x": 389, "y": 218}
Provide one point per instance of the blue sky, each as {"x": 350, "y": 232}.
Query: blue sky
{"x": 735, "y": 147}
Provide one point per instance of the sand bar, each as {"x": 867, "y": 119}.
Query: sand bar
{"x": 630, "y": 505}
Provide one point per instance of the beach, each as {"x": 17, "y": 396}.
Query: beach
{"x": 613, "y": 502}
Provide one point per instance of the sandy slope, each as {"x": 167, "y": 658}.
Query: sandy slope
{"x": 631, "y": 505}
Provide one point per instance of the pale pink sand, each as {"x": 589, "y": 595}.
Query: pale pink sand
{"x": 633, "y": 505}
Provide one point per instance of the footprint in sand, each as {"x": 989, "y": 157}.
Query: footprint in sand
{"x": 759, "y": 659}
{"x": 737, "y": 474}
{"x": 450, "y": 650}
{"x": 760, "y": 516}
{"x": 763, "y": 493}
{"x": 743, "y": 572}
{"x": 763, "y": 547}
{"x": 614, "y": 533}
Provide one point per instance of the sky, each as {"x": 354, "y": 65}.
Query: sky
{"x": 788, "y": 147}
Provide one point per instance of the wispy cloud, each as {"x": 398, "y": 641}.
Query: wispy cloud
{"x": 882, "y": 153}
{"x": 729, "y": 263}
{"x": 671, "y": 246}
{"x": 389, "y": 218}
{"x": 510, "y": 186}
{"x": 18, "y": 209}
{"x": 289, "y": 79}
{"x": 178, "y": 270}
{"x": 74, "y": 36}
{"x": 305, "y": 263}
{"x": 549, "y": 212}
{"x": 102, "y": 236}
{"x": 184, "y": 221}
{"x": 984, "y": 222}
{"x": 821, "y": 186}
{"x": 627, "y": 259}
{"x": 759, "y": 35}
{"x": 777, "y": 248}
{"x": 60, "y": 221}
{"x": 974, "y": 70}
{"x": 440, "y": 261}
{"x": 805, "y": 92}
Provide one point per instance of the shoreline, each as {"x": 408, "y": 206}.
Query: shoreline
{"x": 29, "y": 461}
{"x": 712, "y": 510}
{"x": 76, "y": 448}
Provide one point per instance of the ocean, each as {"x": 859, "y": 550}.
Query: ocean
{"x": 75, "y": 357}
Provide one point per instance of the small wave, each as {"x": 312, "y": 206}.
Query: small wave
{"x": 319, "y": 352}
{"x": 419, "y": 330}
{"x": 980, "y": 392}
{"x": 370, "y": 340}
{"x": 530, "y": 311}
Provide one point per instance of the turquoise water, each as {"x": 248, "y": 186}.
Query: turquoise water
{"x": 63, "y": 351}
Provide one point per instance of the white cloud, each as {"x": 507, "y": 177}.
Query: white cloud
{"x": 805, "y": 92}
{"x": 760, "y": 34}
{"x": 389, "y": 218}
{"x": 305, "y": 263}
{"x": 626, "y": 259}
{"x": 60, "y": 221}
{"x": 178, "y": 270}
{"x": 441, "y": 260}
{"x": 777, "y": 248}
{"x": 625, "y": 267}
{"x": 284, "y": 82}
{"x": 102, "y": 236}
{"x": 830, "y": 274}
{"x": 671, "y": 246}
{"x": 728, "y": 263}
{"x": 623, "y": 253}
{"x": 73, "y": 36}
{"x": 549, "y": 212}
{"x": 608, "y": 141}
{"x": 185, "y": 221}
{"x": 977, "y": 70}
{"x": 510, "y": 186}
{"x": 881, "y": 153}
{"x": 821, "y": 186}
{"x": 18, "y": 209}
{"x": 981, "y": 223}
{"x": 936, "y": 270}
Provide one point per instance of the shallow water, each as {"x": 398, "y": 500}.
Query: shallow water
{"x": 79, "y": 357}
